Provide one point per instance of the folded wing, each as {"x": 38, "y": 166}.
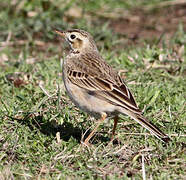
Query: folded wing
{"x": 116, "y": 93}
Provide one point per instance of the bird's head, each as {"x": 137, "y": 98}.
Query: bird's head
{"x": 79, "y": 40}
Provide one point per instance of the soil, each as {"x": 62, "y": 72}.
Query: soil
{"x": 143, "y": 24}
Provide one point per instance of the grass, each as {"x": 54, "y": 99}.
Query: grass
{"x": 41, "y": 130}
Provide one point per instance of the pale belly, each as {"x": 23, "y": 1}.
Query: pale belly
{"x": 88, "y": 102}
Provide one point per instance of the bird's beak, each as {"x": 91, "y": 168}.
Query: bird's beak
{"x": 61, "y": 33}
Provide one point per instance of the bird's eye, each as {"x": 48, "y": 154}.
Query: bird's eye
{"x": 72, "y": 36}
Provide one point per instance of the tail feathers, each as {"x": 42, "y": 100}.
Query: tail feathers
{"x": 149, "y": 126}
{"x": 152, "y": 128}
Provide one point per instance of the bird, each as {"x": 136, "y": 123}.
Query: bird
{"x": 95, "y": 87}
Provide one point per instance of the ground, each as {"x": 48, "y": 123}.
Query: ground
{"x": 40, "y": 128}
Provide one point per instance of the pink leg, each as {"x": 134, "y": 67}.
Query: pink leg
{"x": 103, "y": 116}
{"x": 114, "y": 128}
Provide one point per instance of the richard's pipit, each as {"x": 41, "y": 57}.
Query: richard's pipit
{"x": 95, "y": 87}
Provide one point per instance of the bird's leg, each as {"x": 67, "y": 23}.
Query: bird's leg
{"x": 114, "y": 128}
{"x": 103, "y": 116}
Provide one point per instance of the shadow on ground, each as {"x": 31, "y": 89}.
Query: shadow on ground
{"x": 66, "y": 130}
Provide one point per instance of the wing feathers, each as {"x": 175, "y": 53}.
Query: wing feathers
{"x": 119, "y": 95}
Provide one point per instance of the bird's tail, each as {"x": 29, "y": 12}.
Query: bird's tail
{"x": 149, "y": 126}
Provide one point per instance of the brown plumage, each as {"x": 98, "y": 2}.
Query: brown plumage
{"x": 95, "y": 87}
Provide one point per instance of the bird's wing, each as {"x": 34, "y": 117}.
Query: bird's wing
{"x": 96, "y": 75}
